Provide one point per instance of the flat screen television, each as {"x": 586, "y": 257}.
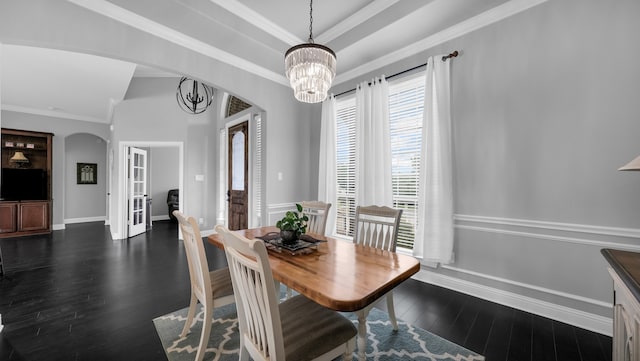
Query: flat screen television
{"x": 23, "y": 184}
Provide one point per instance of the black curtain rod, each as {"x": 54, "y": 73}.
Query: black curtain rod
{"x": 444, "y": 58}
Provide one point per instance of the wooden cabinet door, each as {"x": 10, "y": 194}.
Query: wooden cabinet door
{"x": 33, "y": 216}
{"x": 8, "y": 217}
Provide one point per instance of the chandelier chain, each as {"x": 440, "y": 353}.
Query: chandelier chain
{"x": 311, "y": 21}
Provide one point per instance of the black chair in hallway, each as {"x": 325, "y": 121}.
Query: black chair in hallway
{"x": 173, "y": 203}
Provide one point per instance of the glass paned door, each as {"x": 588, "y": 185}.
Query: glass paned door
{"x": 137, "y": 191}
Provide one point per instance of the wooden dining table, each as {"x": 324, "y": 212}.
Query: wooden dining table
{"x": 337, "y": 274}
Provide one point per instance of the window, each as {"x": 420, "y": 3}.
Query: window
{"x": 346, "y": 165}
{"x": 406, "y": 101}
{"x": 257, "y": 171}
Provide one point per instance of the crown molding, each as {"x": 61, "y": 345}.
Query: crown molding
{"x": 51, "y": 113}
{"x": 127, "y": 17}
{"x": 151, "y": 27}
{"x": 244, "y": 12}
{"x": 142, "y": 71}
{"x": 362, "y": 15}
{"x": 474, "y": 23}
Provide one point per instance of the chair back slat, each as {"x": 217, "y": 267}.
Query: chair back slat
{"x": 377, "y": 227}
{"x": 317, "y": 212}
{"x": 196, "y": 257}
{"x": 256, "y": 300}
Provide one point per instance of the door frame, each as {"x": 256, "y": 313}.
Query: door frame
{"x": 122, "y": 179}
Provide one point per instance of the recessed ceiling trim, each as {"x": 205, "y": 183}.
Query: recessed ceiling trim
{"x": 149, "y": 72}
{"x": 474, "y": 23}
{"x": 51, "y": 113}
{"x": 248, "y": 14}
{"x": 362, "y": 15}
{"x": 141, "y": 23}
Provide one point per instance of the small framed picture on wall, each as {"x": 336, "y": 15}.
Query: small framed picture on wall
{"x": 87, "y": 173}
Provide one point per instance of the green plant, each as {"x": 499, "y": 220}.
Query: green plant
{"x": 294, "y": 221}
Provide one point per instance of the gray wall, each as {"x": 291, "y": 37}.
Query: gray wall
{"x": 544, "y": 109}
{"x": 163, "y": 168}
{"x": 85, "y": 202}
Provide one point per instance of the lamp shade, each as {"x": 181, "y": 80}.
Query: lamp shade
{"x": 310, "y": 68}
{"x": 18, "y": 157}
{"x": 633, "y": 165}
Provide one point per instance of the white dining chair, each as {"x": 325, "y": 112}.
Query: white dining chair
{"x": 296, "y": 329}
{"x": 212, "y": 288}
{"x": 317, "y": 212}
{"x": 378, "y": 227}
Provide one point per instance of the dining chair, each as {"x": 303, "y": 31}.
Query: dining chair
{"x": 377, "y": 227}
{"x": 296, "y": 329}
{"x": 212, "y": 288}
{"x": 317, "y": 212}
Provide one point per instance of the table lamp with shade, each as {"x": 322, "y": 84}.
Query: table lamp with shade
{"x": 633, "y": 165}
{"x": 19, "y": 159}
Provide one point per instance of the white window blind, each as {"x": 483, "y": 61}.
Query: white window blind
{"x": 406, "y": 102}
{"x": 345, "y": 165}
{"x": 257, "y": 175}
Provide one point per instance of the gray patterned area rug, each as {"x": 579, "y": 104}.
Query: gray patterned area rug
{"x": 409, "y": 343}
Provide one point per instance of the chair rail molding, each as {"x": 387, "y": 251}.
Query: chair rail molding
{"x": 494, "y": 224}
{"x": 276, "y": 211}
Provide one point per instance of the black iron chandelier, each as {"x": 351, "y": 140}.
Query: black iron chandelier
{"x": 194, "y": 97}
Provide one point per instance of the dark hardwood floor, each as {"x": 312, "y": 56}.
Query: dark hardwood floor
{"x": 78, "y": 295}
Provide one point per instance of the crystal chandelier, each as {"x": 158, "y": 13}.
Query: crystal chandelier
{"x": 310, "y": 68}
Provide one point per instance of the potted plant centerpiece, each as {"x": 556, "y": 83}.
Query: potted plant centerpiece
{"x": 293, "y": 225}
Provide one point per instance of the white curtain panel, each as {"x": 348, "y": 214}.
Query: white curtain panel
{"x": 373, "y": 146}
{"x": 434, "y": 235}
{"x": 327, "y": 162}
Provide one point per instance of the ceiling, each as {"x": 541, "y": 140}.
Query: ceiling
{"x": 252, "y": 35}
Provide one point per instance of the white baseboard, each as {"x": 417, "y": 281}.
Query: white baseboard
{"x": 160, "y": 218}
{"x": 58, "y": 227}
{"x": 585, "y": 320}
{"x": 545, "y": 290}
{"x": 84, "y": 220}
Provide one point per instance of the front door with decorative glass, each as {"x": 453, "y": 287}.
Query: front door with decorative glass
{"x": 238, "y": 161}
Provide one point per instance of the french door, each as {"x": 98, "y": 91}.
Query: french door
{"x": 137, "y": 191}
